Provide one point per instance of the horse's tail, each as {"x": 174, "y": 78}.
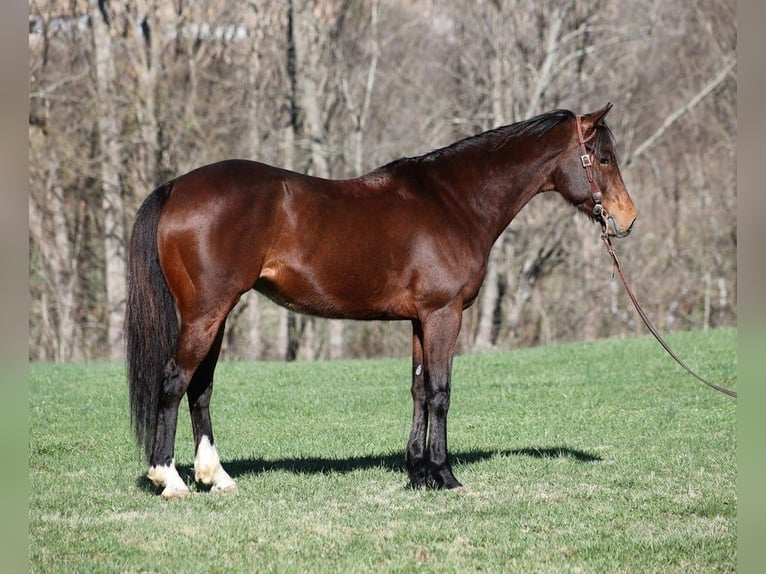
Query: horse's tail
{"x": 151, "y": 325}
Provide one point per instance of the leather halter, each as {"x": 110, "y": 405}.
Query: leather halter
{"x": 599, "y": 213}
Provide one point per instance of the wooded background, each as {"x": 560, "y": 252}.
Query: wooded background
{"x": 125, "y": 95}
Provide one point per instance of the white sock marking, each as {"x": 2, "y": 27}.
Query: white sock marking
{"x": 168, "y": 477}
{"x": 208, "y": 469}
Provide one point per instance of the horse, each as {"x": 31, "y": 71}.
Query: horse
{"x": 408, "y": 241}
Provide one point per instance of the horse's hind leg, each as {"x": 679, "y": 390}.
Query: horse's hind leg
{"x": 195, "y": 340}
{"x": 162, "y": 470}
{"x": 207, "y": 464}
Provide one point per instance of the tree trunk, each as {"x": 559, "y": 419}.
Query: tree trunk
{"x": 48, "y": 228}
{"x": 112, "y": 200}
{"x": 490, "y": 293}
{"x": 146, "y": 54}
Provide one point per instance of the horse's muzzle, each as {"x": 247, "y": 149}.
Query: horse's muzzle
{"x": 613, "y": 230}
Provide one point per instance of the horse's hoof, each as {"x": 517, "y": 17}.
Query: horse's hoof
{"x": 232, "y": 487}
{"x": 175, "y": 493}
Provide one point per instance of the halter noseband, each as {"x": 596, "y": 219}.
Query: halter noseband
{"x": 595, "y": 192}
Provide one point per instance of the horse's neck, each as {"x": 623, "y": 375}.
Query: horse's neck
{"x": 493, "y": 187}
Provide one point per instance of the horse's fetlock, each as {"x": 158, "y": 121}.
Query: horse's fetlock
{"x": 173, "y": 386}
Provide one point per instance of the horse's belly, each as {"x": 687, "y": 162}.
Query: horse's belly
{"x": 341, "y": 296}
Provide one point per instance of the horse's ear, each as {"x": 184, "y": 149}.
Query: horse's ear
{"x": 590, "y": 121}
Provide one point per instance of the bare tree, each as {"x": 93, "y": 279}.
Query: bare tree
{"x": 110, "y": 159}
{"x": 49, "y": 230}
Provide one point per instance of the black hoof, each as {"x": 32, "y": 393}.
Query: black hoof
{"x": 418, "y": 477}
{"x": 442, "y": 478}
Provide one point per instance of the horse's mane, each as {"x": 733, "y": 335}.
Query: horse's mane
{"x": 542, "y": 124}
{"x": 496, "y": 139}
{"x": 536, "y": 126}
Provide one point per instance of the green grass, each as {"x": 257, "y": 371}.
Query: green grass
{"x": 592, "y": 457}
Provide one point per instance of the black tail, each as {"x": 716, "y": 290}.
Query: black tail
{"x": 151, "y": 325}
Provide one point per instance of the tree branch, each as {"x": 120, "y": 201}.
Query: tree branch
{"x": 687, "y": 107}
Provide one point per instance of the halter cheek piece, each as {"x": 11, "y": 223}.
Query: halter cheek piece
{"x": 599, "y": 213}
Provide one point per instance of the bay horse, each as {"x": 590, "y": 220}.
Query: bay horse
{"x": 408, "y": 241}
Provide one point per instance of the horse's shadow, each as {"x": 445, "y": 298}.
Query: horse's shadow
{"x": 393, "y": 462}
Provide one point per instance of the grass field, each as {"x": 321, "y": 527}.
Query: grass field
{"x": 593, "y": 457}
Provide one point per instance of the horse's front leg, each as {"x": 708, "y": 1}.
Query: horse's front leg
{"x": 440, "y": 331}
{"x": 415, "y": 455}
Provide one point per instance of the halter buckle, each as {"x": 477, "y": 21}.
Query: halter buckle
{"x": 585, "y": 159}
{"x": 600, "y": 215}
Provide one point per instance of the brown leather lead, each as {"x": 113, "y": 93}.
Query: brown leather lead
{"x": 652, "y": 329}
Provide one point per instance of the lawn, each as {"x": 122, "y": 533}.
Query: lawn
{"x": 586, "y": 457}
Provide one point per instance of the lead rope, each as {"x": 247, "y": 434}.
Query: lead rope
{"x": 652, "y": 329}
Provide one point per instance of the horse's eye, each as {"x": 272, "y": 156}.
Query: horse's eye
{"x": 604, "y": 160}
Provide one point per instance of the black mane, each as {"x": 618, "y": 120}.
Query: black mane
{"x": 536, "y": 126}
{"x": 497, "y": 138}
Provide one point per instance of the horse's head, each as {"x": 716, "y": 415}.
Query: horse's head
{"x": 588, "y": 175}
